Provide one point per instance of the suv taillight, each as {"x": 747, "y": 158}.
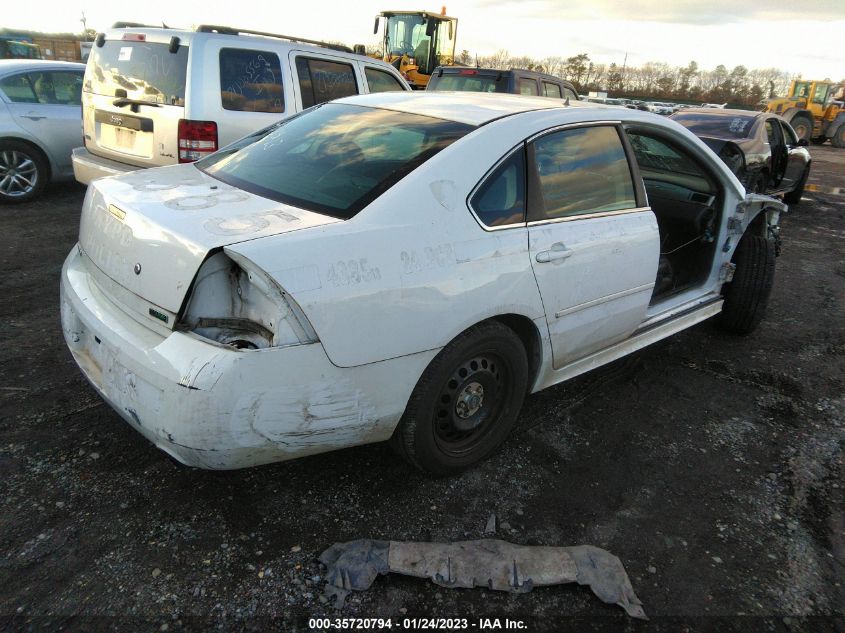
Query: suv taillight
{"x": 197, "y": 139}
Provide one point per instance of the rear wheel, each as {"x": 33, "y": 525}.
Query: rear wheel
{"x": 747, "y": 295}
{"x": 803, "y": 126}
{"x": 466, "y": 402}
{"x": 838, "y": 138}
{"x": 23, "y": 172}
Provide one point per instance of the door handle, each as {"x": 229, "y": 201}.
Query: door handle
{"x": 33, "y": 117}
{"x": 556, "y": 252}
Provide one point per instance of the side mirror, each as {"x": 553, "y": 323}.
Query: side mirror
{"x": 375, "y": 27}
{"x": 802, "y": 142}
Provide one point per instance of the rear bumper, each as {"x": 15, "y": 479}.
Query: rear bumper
{"x": 213, "y": 407}
{"x": 88, "y": 167}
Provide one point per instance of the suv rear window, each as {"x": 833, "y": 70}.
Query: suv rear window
{"x": 333, "y": 159}
{"x": 469, "y": 81}
{"x": 147, "y": 71}
{"x": 251, "y": 81}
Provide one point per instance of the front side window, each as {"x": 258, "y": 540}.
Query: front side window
{"x": 788, "y": 134}
{"x": 551, "y": 90}
{"x": 321, "y": 80}
{"x": 580, "y": 171}
{"x": 500, "y": 200}
{"x": 528, "y": 87}
{"x": 820, "y": 95}
{"x": 333, "y": 159}
{"x": 380, "y": 81}
{"x": 570, "y": 94}
{"x": 251, "y": 81}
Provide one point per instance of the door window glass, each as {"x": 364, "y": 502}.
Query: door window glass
{"x": 528, "y": 87}
{"x": 569, "y": 94}
{"x": 501, "y": 199}
{"x": 551, "y": 90}
{"x": 581, "y": 171}
{"x": 251, "y": 81}
{"x": 67, "y": 87}
{"x": 380, "y": 81}
{"x": 788, "y": 134}
{"x": 322, "y": 80}
{"x": 18, "y": 89}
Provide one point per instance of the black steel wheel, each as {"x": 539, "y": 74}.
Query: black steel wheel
{"x": 466, "y": 402}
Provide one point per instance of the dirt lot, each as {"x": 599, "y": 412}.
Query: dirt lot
{"x": 712, "y": 466}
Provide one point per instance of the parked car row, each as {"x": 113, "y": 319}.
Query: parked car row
{"x": 157, "y": 96}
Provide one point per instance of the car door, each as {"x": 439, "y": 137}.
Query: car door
{"x": 774, "y": 135}
{"x": 593, "y": 243}
{"x": 47, "y": 104}
{"x": 796, "y": 160}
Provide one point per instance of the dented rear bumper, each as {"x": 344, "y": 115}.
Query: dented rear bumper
{"x": 214, "y": 407}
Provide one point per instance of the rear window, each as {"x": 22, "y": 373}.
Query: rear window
{"x": 469, "y": 81}
{"x": 145, "y": 70}
{"x": 333, "y": 159}
{"x": 719, "y": 125}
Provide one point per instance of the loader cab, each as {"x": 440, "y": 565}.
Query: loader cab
{"x": 416, "y": 42}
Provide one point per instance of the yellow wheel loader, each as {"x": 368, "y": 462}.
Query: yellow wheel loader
{"x": 417, "y": 42}
{"x": 815, "y": 109}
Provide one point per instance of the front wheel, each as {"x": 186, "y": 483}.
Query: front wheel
{"x": 747, "y": 295}
{"x": 23, "y": 172}
{"x": 794, "y": 196}
{"x": 466, "y": 402}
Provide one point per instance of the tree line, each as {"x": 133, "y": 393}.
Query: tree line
{"x": 656, "y": 80}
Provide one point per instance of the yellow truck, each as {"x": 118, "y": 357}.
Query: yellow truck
{"x": 815, "y": 109}
{"x": 417, "y": 42}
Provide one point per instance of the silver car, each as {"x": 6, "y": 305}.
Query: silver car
{"x": 40, "y": 123}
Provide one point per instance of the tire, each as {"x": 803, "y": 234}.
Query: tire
{"x": 756, "y": 183}
{"x": 445, "y": 429}
{"x": 838, "y": 138}
{"x": 23, "y": 172}
{"x": 747, "y": 295}
{"x": 794, "y": 196}
{"x": 803, "y": 126}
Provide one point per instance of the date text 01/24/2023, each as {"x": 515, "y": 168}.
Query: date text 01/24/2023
{"x": 416, "y": 624}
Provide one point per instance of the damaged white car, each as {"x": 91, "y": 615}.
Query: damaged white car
{"x": 404, "y": 266}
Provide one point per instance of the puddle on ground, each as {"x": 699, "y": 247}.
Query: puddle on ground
{"x": 836, "y": 191}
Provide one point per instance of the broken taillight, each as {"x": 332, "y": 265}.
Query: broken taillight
{"x": 197, "y": 139}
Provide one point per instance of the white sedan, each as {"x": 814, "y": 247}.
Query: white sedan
{"x": 402, "y": 266}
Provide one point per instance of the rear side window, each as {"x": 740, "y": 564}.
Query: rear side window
{"x": 570, "y": 94}
{"x": 551, "y": 90}
{"x": 251, "y": 81}
{"x": 380, "y": 81}
{"x": 321, "y": 80}
{"x": 147, "y": 71}
{"x": 581, "y": 171}
{"x": 528, "y": 87}
{"x": 501, "y": 199}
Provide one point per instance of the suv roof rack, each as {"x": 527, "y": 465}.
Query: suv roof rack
{"x": 227, "y": 30}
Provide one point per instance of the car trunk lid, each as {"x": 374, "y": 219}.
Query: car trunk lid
{"x": 147, "y": 233}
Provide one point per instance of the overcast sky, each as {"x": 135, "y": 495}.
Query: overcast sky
{"x": 799, "y": 36}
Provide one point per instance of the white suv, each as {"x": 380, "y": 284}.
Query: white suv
{"x": 159, "y": 96}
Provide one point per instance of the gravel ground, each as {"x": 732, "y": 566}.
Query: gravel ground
{"x": 711, "y": 465}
